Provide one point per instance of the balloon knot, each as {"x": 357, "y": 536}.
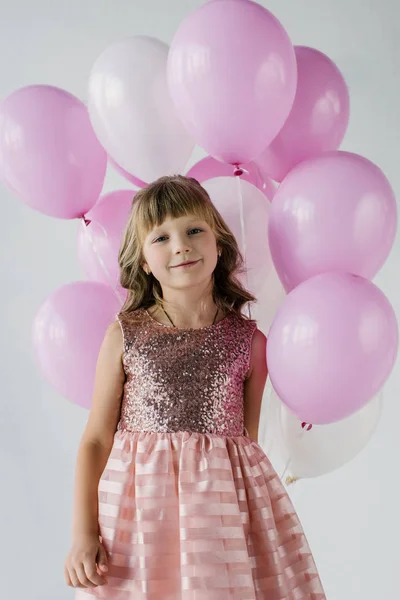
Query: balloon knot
{"x": 289, "y": 480}
{"x": 238, "y": 171}
{"x": 306, "y": 426}
{"x": 87, "y": 221}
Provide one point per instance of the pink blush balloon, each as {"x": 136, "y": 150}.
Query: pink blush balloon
{"x": 331, "y": 347}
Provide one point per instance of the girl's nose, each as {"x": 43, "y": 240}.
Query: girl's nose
{"x": 181, "y": 246}
{"x": 183, "y": 250}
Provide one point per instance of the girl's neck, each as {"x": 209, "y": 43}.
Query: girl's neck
{"x": 182, "y": 316}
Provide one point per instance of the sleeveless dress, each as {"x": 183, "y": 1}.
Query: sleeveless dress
{"x": 190, "y": 508}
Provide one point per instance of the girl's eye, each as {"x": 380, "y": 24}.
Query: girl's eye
{"x": 163, "y": 236}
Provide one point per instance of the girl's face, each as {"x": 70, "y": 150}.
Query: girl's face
{"x": 186, "y": 238}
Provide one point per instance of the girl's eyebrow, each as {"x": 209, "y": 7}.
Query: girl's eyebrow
{"x": 191, "y": 220}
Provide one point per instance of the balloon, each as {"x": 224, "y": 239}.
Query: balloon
{"x": 68, "y": 330}
{"x": 49, "y": 154}
{"x": 209, "y": 168}
{"x": 270, "y": 295}
{"x": 261, "y": 280}
{"x": 132, "y": 112}
{"x": 331, "y": 347}
{"x": 325, "y": 448}
{"x": 100, "y": 241}
{"x": 318, "y": 119}
{"x": 137, "y": 182}
{"x": 268, "y": 424}
{"x": 225, "y": 194}
{"x": 232, "y": 76}
{"x": 335, "y": 212}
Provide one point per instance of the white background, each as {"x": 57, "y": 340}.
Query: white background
{"x": 351, "y": 517}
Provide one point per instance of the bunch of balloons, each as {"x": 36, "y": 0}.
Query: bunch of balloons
{"x": 315, "y": 223}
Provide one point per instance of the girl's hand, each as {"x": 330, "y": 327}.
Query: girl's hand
{"x": 86, "y": 563}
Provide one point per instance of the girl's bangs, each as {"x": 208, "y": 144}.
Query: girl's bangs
{"x": 172, "y": 203}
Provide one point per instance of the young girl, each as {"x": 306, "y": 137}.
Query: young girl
{"x": 174, "y": 498}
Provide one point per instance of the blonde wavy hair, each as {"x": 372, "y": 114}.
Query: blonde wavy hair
{"x": 173, "y": 197}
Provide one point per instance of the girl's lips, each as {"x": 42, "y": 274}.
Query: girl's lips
{"x": 191, "y": 264}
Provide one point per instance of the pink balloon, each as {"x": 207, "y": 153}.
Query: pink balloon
{"x": 331, "y": 346}
{"x": 232, "y": 76}
{"x": 335, "y": 212}
{"x": 68, "y": 330}
{"x": 318, "y": 119}
{"x": 49, "y": 154}
{"x": 100, "y": 241}
{"x": 209, "y": 168}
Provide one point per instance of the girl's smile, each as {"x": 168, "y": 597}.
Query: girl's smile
{"x": 186, "y": 265}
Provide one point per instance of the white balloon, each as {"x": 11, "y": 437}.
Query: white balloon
{"x": 325, "y": 448}
{"x": 261, "y": 280}
{"x": 269, "y": 299}
{"x": 131, "y": 110}
{"x": 269, "y": 433}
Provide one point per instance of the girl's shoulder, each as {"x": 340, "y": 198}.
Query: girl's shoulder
{"x": 130, "y": 315}
{"x": 248, "y": 321}
{"x": 128, "y": 322}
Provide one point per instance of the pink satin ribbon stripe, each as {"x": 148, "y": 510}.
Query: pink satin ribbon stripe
{"x": 196, "y": 516}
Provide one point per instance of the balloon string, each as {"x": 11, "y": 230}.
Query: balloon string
{"x": 85, "y": 223}
{"x": 238, "y": 172}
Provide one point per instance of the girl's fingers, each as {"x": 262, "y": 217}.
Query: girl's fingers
{"x": 91, "y": 573}
{"x": 82, "y": 577}
{"x": 67, "y": 578}
{"x": 74, "y": 579}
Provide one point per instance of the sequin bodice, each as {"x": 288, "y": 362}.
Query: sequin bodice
{"x": 184, "y": 379}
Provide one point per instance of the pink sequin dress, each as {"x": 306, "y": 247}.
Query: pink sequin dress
{"x": 190, "y": 507}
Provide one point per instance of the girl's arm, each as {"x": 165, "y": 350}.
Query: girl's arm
{"x": 255, "y": 383}
{"x": 97, "y": 439}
